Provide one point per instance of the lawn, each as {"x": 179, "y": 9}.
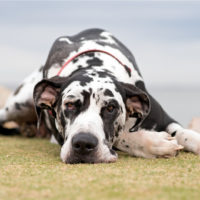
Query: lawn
{"x": 32, "y": 169}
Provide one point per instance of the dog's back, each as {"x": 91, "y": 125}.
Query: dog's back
{"x": 66, "y": 47}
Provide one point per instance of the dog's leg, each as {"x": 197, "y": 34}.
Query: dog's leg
{"x": 19, "y": 106}
{"x": 189, "y": 139}
{"x": 159, "y": 120}
{"x": 148, "y": 144}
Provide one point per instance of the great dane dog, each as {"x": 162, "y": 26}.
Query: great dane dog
{"x": 91, "y": 97}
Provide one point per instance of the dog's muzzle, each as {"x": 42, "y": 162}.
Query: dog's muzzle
{"x": 83, "y": 148}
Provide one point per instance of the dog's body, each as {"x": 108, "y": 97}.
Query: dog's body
{"x": 97, "y": 101}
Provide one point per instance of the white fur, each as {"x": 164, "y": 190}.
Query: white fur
{"x": 87, "y": 122}
{"x": 108, "y": 37}
{"x": 189, "y": 139}
{"x": 53, "y": 140}
{"x": 25, "y": 95}
{"x": 148, "y": 144}
{"x": 53, "y": 70}
{"x": 65, "y": 39}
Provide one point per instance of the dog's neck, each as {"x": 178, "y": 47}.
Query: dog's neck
{"x": 91, "y": 53}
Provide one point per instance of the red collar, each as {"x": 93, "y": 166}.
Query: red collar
{"x": 91, "y": 50}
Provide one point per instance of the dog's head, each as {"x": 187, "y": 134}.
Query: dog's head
{"x": 90, "y": 111}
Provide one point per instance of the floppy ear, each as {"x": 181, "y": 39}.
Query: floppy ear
{"x": 45, "y": 95}
{"x": 46, "y": 92}
{"x": 137, "y": 104}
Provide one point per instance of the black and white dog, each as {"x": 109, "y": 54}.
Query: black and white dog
{"x": 90, "y": 96}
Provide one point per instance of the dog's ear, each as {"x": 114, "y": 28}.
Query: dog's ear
{"x": 137, "y": 104}
{"x": 45, "y": 95}
{"x": 46, "y": 92}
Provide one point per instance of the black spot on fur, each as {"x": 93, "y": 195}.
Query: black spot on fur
{"x": 112, "y": 152}
{"x": 41, "y": 68}
{"x": 62, "y": 119}
{"x": 173, "y": 134}
{"x": 18, "y": 89}
{"x": 127, "y": 70}
{"x": 93, "y": 74}
{"x": 106, "y": 73}
{"x": 186, "y": 139}
{"x": 75, "y": 60}
{"x": 140, "y": 84}
{"x": 127, "y": 146}
{"x": 7, "y": 109}
{"x": 116, "y": 89}
{"x": 71, "y": 96}
{"x": 97, "y": 99}
{"x": 109, "y": 93}
{"x": 17, "y": 106}
{"x": 95, "y": 62}
{"x": 90, "y": 54}
{"x": 54, "y": 130}
{"x": 108, "y": 120}
{"x": 84, "y": 80}
{"x": 102, "y": 74}
{"x": 80, "y": 75}
{"x": 119, "y": 128}
{"x": 86, "y": 101}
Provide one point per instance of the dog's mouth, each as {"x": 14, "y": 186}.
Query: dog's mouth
{"x": 87, "y": 148}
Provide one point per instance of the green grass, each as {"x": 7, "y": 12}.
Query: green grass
{"x": 32, "y": 169}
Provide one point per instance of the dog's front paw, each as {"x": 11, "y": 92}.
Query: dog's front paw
{"x": 148, "y": 144}
{"x": 164, "y": 146}
{"x": 189, "y": 139}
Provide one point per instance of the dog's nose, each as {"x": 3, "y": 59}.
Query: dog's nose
{"x": 84, "y": 143}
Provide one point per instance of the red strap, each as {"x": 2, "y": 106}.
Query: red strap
{"x": 50, "y": 112}
{"x": 91, "y": 50}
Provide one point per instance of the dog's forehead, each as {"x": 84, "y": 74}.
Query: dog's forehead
{"x": 103, "y": 87}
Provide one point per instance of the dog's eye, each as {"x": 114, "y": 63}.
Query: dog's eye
{"x": 110, "y": 108}
{"x": 70, "y": 106}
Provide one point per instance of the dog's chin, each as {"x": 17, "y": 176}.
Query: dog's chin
{"x": 91, "y": 159}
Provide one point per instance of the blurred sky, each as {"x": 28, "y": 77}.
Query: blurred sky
{"x": 164, "y": 36}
